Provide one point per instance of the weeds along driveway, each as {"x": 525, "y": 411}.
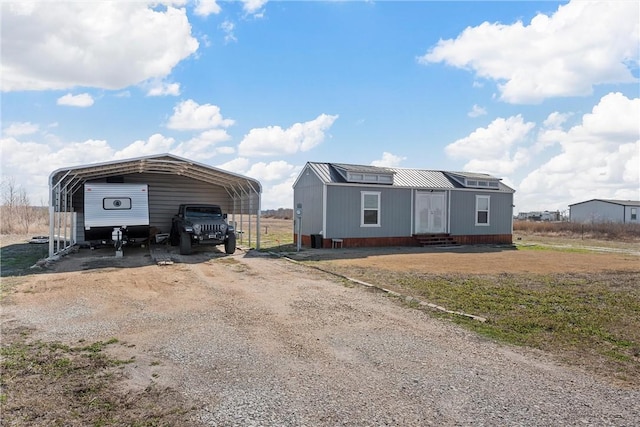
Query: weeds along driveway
{"x": 253, "y": 340}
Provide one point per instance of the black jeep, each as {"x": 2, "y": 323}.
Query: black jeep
{"x": 202, "y": 225}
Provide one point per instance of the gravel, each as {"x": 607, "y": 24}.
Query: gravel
{"x": 258, "y": 341}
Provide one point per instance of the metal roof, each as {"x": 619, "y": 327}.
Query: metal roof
{"x": 362, "y": 168}
{"x": 473, "y": 175}
{"x": 403, "y": 177}
{"x": 615, "y": 202}
{"x": 72, "y": 178}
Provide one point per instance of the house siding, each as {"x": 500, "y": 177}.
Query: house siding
{"x": 463, "y": 210}
{"x": 308, "y": 192}
{"x": 166, "y": 192}
{"x": 344, "y": 212}
{"x": 597, "y": 211}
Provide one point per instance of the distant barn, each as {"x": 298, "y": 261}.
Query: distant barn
{"x": 603, "y": 210}
{"x": 356, "y": 205}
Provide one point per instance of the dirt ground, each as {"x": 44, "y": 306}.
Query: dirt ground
{"x": 92, "y": 295}
{"x": 479, "y": 260}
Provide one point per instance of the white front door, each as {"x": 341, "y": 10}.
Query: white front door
{"x": 430, "y": 213}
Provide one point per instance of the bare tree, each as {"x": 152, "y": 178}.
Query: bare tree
{"x": 25, "y": 213}
{"x": 9, "y": 202}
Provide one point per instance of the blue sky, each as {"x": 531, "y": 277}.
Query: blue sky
{"x": 544, "y": 95}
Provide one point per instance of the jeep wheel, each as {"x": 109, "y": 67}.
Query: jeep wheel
{"x": 230, "y": 244}
{"x": 174, "y": 237}
{"x": 185, "y": 243}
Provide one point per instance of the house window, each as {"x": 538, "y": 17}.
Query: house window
{"x": 370, "y": 202}
{"x": 634, "y": 214}
{"x": 482, "y": 210}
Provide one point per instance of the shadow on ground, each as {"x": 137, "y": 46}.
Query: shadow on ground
{"x": 306, "y": 254}
{"x": 24, "y": 258}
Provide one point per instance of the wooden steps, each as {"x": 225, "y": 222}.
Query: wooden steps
{"x": 435, "y": 239}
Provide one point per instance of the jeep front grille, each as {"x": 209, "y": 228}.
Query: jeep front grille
{"x": 212, "y": 228}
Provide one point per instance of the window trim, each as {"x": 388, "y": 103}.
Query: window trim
{"x": 362, "y": 208}
{"x": 488, "y": 211}
{"x": 634, "y": 214}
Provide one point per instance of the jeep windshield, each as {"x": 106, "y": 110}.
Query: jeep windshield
{"x": 203, "y": 212}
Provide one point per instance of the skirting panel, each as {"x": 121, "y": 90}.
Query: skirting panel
{"x": 489, "y": 239}
{"x": 356, "y": 242}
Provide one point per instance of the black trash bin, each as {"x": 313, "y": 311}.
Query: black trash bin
{"x": 316, "y": 240}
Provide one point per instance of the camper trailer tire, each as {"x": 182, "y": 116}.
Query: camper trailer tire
{"x": 185, "y": 243}
{"x": 230, "y": 244}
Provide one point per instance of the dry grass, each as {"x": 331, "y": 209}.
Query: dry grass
{"x": 76, "y": 386}
{"x": 598, "y": 231}
{"x": 276, "y": 234}
{"x": 586, "y": 319}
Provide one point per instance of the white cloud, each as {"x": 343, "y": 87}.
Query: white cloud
{"x": 20, "y": 128}
{"x": 279, "y": 195}
{"x": 495, "y": 149}
{"x": 81, "y": 100}
{"x": 253, "y": 7}
{"x": 205, "y": 8}
{"x": 274, "y": 140}
{"x": 155, "y": 144}
{"x": 239, "y": 165}
{"x": 273, "y": 171}
{"x": 203, "y": 145}
{"x": 581, "y": 45}
{"x": 104, "y": 44}
{"x": 30, "y": 163}
{"x": 477, "y": 111}
{"x": 189, "y": 115}
{"x": 160, "y": 88}
{"x": 599, "y": 158}
{"x": 227, "y": 27}
{"x": 388, "y": 160}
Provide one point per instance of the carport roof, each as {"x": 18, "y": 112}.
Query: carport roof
{"x": 70, "y": 179}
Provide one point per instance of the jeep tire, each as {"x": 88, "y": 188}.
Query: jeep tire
{"x": 174, "y": 237}
{"x": 185, "y": 243}
{"x": 230, "y": 244}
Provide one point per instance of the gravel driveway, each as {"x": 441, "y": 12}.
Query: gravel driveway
{"x": 259, "y": 341}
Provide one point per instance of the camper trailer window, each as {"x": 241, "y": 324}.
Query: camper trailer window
{"x": 116, "y": 203}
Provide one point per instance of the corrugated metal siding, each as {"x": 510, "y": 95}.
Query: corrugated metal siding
{"x": 463, "y": 211}
{"x": 166, "y": 192}
{"x": 308, "y": 191}
{"x": 596, "y": 211}
{"x": 344, "y": 210}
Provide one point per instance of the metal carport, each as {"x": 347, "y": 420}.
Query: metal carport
{"x": 171, "y": 179}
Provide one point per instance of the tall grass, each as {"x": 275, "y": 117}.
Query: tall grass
{"x": 604, "y": 230}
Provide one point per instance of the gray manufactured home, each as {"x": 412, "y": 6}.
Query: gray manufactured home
{"x": 355, "y": 205}
{"x": 602, "y": 210}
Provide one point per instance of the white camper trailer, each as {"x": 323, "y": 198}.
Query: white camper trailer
{"x": 116, "y": 213}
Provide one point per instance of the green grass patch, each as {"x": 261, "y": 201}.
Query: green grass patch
{"x": 54, "y": 384}
{"x": 542, "y": 247}
{"x": 16, "y": 259}
{"x": 588, "y": 319}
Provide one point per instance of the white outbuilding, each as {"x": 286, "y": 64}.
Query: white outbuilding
{"x": 602, "y": 210}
